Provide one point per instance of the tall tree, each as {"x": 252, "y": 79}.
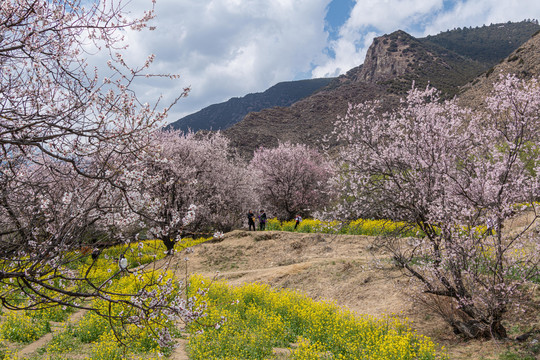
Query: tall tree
{"x": 292, "y": 179}
{"x": 449, "y": 171}
{"x": 191, "y": 171}
{"x": 65, "y": 136}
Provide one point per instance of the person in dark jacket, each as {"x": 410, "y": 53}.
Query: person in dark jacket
{"x": 297, "y": 219}
{"x": 251, "y": 220}
{"x": 262, "y": 220}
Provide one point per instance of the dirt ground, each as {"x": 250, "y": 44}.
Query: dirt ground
{"x": 345, "y": 269}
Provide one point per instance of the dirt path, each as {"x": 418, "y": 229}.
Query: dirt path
{"x": 56, "y": 328}
{"x": 180, "y": 352}
{"x": 32, "y": 347}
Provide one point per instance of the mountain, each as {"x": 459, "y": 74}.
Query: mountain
{"x": 393, "y": 62}
{"x": 524, "y": 62}
{"x": 486, "y": 44}
{"x": 398, "y": 59}
{"x": 223, "y": 115}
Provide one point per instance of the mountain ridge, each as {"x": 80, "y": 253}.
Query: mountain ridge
{"x": 393, "y": 63}
{"x": 223, "y": 115}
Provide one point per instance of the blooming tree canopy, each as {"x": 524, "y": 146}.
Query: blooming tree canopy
{"x": 447, "y": 171}
{"x": 292, "y": 179}
{"x": 189, "y": 171}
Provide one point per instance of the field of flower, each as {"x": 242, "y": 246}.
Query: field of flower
{"x": 241, "y": 323}
{"x": 366, "y": 227}
{"x": 253, "y": 319}
{"x": 92, "y": 336}
{"x": 357, "y": 227}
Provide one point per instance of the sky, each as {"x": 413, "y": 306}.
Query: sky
{"x": 229, "y": 48}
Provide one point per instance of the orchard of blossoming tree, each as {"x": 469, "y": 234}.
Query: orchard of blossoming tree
{"x": 85, "y": 165}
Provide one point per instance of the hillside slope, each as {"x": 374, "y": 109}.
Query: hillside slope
{"x": 524, "y": 62}
{"x": 306, "y": 121}
{"x": 223, "y": 115}
{"x": 486, "y": 44}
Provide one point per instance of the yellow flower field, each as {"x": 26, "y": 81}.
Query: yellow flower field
{"x": 257, "y": 319}
{"x": 357, "y": 227}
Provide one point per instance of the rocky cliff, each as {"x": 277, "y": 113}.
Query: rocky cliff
{"x": 388, "y": 57}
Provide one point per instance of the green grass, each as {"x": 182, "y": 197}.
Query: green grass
{"x": 511, "y": 355}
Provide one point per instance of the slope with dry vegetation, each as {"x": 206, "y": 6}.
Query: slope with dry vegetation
{"x": 350, "y": 271}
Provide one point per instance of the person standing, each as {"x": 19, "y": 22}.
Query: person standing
{"x": 298, "y": 219}
{"x": 262, "y": 220}
{"x": 251, "y": 220}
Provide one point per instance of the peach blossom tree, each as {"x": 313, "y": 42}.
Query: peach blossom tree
{"x": 68, "y": 135}
{"x": 292, "y": 179}
{"x": 458, "y": 176}
{"x": 187, "y": 170}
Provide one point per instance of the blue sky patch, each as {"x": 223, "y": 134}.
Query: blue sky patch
{"x": 338, "y": 12}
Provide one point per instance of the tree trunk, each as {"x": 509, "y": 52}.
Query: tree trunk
{"x": 474, "y": 329}
{"x": 169, "y": 244}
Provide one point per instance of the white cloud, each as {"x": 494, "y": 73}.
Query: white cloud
{"x": 225, "y": 48}
{"x": 483, "y": 12}
{"x": 371, "y": 18}
{"x": 390, "y": 15}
